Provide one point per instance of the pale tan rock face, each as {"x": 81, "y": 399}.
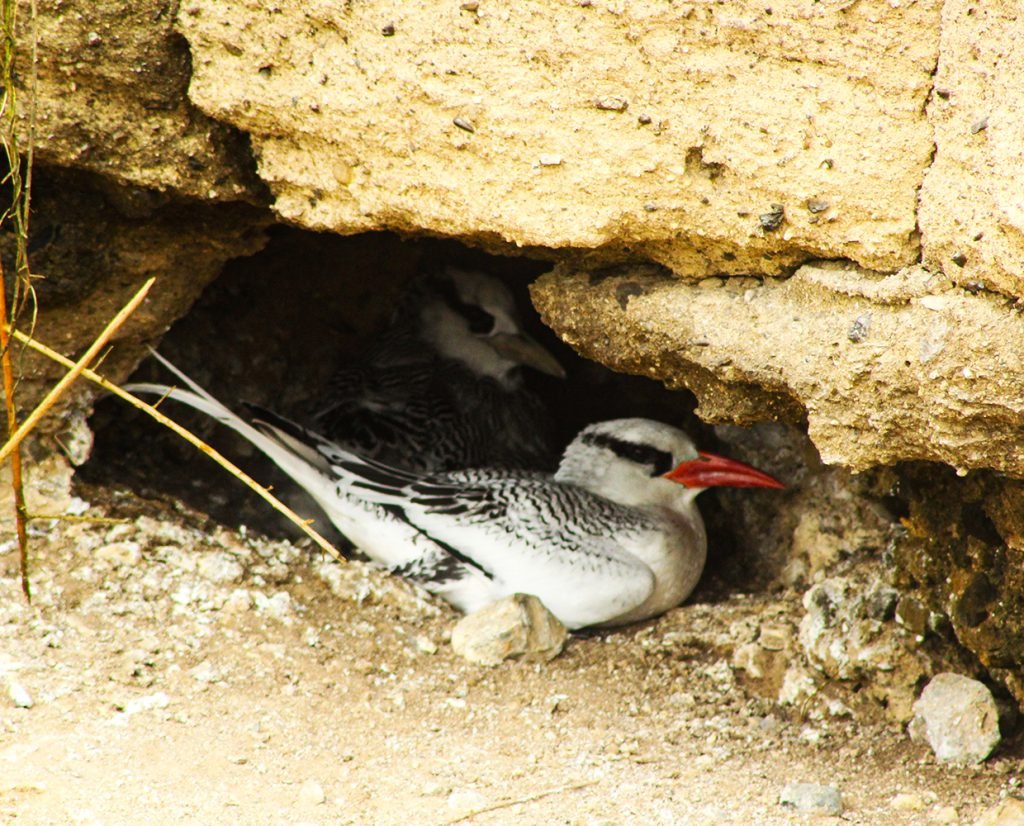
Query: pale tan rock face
{"x": 885, "y": 368}
{"x": 712, "y": 137}
{"x": 972, "y": 202}
{"x": 109, "y": 81}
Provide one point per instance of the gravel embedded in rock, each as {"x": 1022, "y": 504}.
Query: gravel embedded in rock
{"x": 812, "y": 797}
{"x": 516, "y": 626}
{"x": 958, "y": 718}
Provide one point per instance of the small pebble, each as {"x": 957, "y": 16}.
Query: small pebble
{"x": 219, "y": 567}
{"x": 147, "y": 703}
{"x": 238, "y": 602}
{"x": 19, "y": 694}
{"x": 278, "y": 606}
{"x": 612, "y": 104}
{"x": 811, "y": 797}
{"x": 944, "y": 814}
{"x": 120, "y": 553}
{"x": 958, "y": 718}
{"x": 771, "y": 221}
{"x": 904, "y": 802}
{"x": 858, "y": 331}
{"x": 204, "y": 673}
{"x": 425, "y": 645}
{"x": 550, "y": 160}
{"x": 311, "y": 793}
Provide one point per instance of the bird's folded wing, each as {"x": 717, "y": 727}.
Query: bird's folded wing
{"x": 526, "y": 532}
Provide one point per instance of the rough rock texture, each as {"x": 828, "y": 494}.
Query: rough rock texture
{"x": 91, "y": 252}
{"x": 962, "y": 559}
{"x": 972, "y": 215}
{"x": 587, "y": 124}
{"x": 958, "y": 718}
{"x": 518, "y": 626}
{"x": 848, "y": 634}
{"x": 885, "y": 368}
{"x": 110, "y": 83}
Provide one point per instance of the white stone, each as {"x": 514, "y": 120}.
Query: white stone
{"x": 147, "y": 703}
{"x": 19, "y": 694}
{"x": 958, "y": 718}
{"x": 279, "y": 606}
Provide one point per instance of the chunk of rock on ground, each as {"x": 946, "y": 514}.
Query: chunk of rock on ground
{"x": 812, "y": 798}
{"x": 518, "y": 626}
{"x": 958, "y": 718}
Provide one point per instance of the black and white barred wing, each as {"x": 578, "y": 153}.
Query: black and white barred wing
{"x": 523, "y": 532}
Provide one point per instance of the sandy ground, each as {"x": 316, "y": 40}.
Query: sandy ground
{"x": 180, "y": 672}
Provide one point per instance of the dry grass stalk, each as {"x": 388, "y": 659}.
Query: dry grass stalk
{"x": 150, "y": 410}
{"x": 18, "y": 180}
{"x": 20, "y": 511}
{"x": 10, "y": 447}
{"x": 76, "y": 369}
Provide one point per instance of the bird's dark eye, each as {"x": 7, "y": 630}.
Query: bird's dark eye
{"x": 660, "y": 461}
{"x": 481, "y": 322}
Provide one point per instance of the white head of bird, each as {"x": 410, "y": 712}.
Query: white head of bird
{"x": 642, "y": 462}
{"x": 471, "y": 317}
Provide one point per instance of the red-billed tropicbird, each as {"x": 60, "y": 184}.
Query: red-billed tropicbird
{"x": 614, "y": 536}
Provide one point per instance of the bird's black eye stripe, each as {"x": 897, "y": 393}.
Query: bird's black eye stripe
{"x": 660, "y": 460}
{"x": 480, "y": 321}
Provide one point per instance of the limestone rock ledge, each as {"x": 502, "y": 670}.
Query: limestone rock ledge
{"x": 109, "y": 86}
{"x": 972, "y": 213}
{"x": 886, "y": 368}
{"x": 710, "y": 137}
